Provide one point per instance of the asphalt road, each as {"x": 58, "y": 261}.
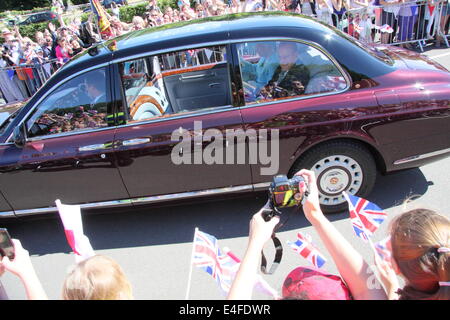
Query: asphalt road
{"x": 154, "y": 245}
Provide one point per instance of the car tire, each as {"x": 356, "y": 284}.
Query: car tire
{"x": 339, "y": 166}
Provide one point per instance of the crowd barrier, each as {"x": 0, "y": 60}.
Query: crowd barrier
{"x": 408, "y": 22}
{"x": 18, "y": 83}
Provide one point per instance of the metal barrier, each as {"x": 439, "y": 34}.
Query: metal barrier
{"x": 22, "y": 81}
{"x": 408, "y": 22}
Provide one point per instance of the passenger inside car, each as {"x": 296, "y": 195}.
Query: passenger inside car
{"x": 297, "y": 69}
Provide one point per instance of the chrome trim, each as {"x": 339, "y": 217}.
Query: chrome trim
{"x": 181, "y": 116}
{"x": 92, "y": 147}
{"x": 421, "y": 156}
{"x": 134, "y": 142}
{"x": 143, "y": 200}
{"x": 171, "y": 49}
{"x": 7, "y": 214}
{"x": 57, "y": 85}
{"x": 192, "y": 194}
{"x": 262, "y": 185}
{"x": 69, "y": 133}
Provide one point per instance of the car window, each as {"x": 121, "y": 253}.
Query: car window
{"x": 175, "y": 82}
{"x": 272, "y": 70}
{"x": 78, "y": 104}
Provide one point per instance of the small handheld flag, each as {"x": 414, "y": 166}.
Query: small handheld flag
{"x": 365, "y": 216}
{"x": 382, "y": 248}
{"x": 221, "y": 265}
{"x": 305, "y": 248}
{"x": 208, "y": 256}
{"x": 73, "y": 227}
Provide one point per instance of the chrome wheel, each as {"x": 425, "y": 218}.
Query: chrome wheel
{"x": 337, "y": 173}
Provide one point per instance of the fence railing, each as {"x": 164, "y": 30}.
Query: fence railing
{"x": 20, "y": 82}
{"x": 409, "y": 22}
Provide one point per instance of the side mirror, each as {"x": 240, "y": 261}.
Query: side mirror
{"x": 19, "y": 136}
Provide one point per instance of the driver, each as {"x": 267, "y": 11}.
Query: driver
{"x": 95, "y": 88}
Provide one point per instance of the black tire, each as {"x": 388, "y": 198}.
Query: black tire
{"x": 342, "y": 165}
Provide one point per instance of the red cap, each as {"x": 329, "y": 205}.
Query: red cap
{"x": 313, "y": 284}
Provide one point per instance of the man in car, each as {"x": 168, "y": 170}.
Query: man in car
{"x": 95, "y": 88}
{"x": 296, "y": 68}
{"x": 291, "y": 70}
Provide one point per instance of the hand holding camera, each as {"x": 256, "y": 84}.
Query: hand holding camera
{"x": 311, "y": 204}
{"x": 284, "y": 193}
{"x": 261, "y": 230}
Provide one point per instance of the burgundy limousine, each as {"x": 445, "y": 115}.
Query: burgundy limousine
{"x": 221, "y": 105}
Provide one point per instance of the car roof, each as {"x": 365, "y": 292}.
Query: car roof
{"x": 216, "y": 29}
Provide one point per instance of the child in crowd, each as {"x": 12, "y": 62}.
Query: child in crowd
{"x": 96, "y": 278}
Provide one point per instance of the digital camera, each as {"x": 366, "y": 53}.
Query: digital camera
{"x": 285, "y": 192}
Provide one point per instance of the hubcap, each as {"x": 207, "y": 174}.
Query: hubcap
{"x": 335, "y": 174}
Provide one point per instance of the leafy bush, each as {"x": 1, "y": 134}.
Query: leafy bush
{"x": 128, "y": 12}
{"x": 30, "y": 29}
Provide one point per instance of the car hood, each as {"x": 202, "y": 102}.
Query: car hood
{"x": 409, "y": 59}
{"x": 7, "y": 110}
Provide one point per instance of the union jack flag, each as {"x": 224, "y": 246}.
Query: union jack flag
{"x": 365, "y": 216}
{"x": 208, "y": 256}
{"x": 305, "y": 248}
{"x": 382, "y": 250}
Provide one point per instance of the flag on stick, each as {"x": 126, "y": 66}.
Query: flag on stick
{"x": 307, "y": 250}
{"x": 103, "y": 23}
{"x": 221, "y": 265}
{"x": 365, "y": 216}
{"x": 208, "y": 256}
{"x": 382, "y": 249}
{"x": 73, "y": 227}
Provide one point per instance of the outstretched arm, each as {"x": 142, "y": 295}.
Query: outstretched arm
{"x": 351, "y": 265}
{"x": 22, "y": 267}
{"x": 260, "y": 232}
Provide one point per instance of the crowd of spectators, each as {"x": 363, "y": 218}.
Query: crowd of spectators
{"x": 397, "y": 20}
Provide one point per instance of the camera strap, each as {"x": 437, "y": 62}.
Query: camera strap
{"x": 277, "y": 258}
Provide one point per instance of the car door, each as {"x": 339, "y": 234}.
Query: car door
{"x": 178, "y": 109}
{"x": 5, "y": 208}
{"x": 68, "y": 153}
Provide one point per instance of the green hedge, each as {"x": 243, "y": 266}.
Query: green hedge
{"x": 128, "y": 12}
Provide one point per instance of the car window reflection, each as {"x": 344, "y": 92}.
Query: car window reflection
{"x": 78, "y": 104}
{"x": 274, "y": 70}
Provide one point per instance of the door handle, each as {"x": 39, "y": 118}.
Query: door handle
{"x": 92, "y": 147}
{"x": 133, "y": 142}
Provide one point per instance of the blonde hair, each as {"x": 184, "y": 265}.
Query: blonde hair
{"x": 97, "y": 278}
{"x": 416, "y": 237}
